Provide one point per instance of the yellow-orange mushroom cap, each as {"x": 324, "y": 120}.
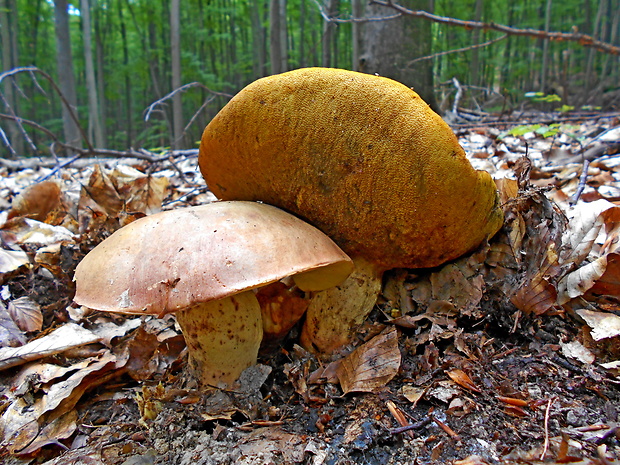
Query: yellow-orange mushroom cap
{"x": 201, "y": 262}
{"x": 361, "y": 157}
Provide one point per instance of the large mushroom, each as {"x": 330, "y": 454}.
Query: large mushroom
{"x": 204, "y": 263}
{"x": 364, "y": 159}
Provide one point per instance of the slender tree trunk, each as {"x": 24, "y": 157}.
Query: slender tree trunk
{"x": 95, "y": 129}
{"x": 128, "y": 100}
{"x": 175, "y": 54}
{"x": 8, "y": 33}
{"x": 66, "y": 77}
{"x": 100, "y": 69}
{"x": 329, "y": 32}
{"x": 545, "y": 58}
{"x": 258, "y": 39}
{"x": 357, "y": 12}
{"x": 389, "y": 46}
{"x": 475, "y": 56}
{"x": 275, "y": 45}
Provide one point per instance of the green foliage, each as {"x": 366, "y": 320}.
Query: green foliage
{"x": 541, "y": 97}
{"x": 132, "y": 42}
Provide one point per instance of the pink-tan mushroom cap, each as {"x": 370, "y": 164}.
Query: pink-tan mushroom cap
{"x": 175, "y": 259}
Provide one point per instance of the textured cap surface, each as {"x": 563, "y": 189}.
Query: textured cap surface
{"x": 171, "y": 260}
{"x": 361, "y": 157}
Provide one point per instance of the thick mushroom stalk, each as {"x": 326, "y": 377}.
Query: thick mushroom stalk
{"x": 204, "y": 263}
{"x": 239, "y": 331}
{"x": 334, "y": 314}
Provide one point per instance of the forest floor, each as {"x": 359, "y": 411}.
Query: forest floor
{"x": 508, "y": 355}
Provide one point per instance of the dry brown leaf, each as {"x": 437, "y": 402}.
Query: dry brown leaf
{"x": 371, "y": 366}
{"x": 26, "y": 314}
{"x": 462, "y": 379}
{"x": 38, "y": 202}
{"x": 10, "y": 334}
{"x": 60, "y": 428}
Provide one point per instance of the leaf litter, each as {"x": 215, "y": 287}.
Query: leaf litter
{"x": 510, "y": 354}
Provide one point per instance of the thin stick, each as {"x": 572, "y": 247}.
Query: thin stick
{"x": 546, "y": 444}
{"x": 582, "y": 183}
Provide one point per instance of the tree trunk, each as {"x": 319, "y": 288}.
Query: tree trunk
{"x": 66, "y": 77}
{"x": 544, "y": 71}
{"x": 175, "y": 54}
{"x": 128, "y": 101}
{"x": 277, "y": 38}
{"x": 95, "y": 128}
{"x": 258, "y": 39}
{"x": 8, "y": 34}
{"x": 388, "y": 47}
{"x": 475, "y": 55}
{"x": 329, "y": 32}
{"x": 357, "y": 12}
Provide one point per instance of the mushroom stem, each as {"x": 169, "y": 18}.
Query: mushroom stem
{"x": 334, "y": 314}
{"x": 222, "y": 337}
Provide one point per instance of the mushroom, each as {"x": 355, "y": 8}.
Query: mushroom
{"x": 364, "y": 159}
{"x": 203, "y": 263}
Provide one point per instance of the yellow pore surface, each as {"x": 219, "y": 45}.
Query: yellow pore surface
{"x": 361, "y": 157}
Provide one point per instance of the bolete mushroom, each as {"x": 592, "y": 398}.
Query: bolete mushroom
{"x": 203, "y": 263}
{"x": 364, "y": 159}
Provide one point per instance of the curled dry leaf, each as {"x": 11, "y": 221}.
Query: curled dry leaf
{"x": 371, "y": 366}
{"x": 590, "y": 244}
{"x": 462, "y": 379}
{"x": 41, "y": 202}
{"x": 26, "y": 314}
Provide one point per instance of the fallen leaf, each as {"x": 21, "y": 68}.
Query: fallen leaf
{"x": 604, "y": 325}
{"x": 64, "y": 338}
{"x": 37, "y": 201}
{"x": 10, "y": 334}
{"x": 26, "y": 314}
{"x": 372, "y": 365}
{"x": 12, "y": 260}
{"x": 576, "y": 350}
{"x": 462, "y": 379}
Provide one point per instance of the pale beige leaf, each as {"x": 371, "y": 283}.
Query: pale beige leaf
{"x": 11, "y": 260}
{"x": 603, "y": 325}
{"x": 581, "y": 280}
{"x": 576, "y": 350}
{"x": 371, "y": 366}
{"x": 64, "y": 338}
{"x": 26, "y": 314}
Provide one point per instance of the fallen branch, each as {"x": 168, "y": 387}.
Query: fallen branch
{"x": 583, "y": 39}
{"x": 34, "y": 70}
{"x": 105, "y": 156}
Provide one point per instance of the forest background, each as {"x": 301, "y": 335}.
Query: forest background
{"x": 152, "y": 73}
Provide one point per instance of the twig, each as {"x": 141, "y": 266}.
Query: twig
{"x": 582, "y": 183}
{"x": 32, "y": 70}
{"x": 183, "y": 88}
{"x": 417, "y": 425}
{"x": 546, "y": 444}
{"x": 582, "y": 39}
{"x": 446, "y": 428}
{"x": 458, "y": 50}
{"x": 333, "y": 19}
